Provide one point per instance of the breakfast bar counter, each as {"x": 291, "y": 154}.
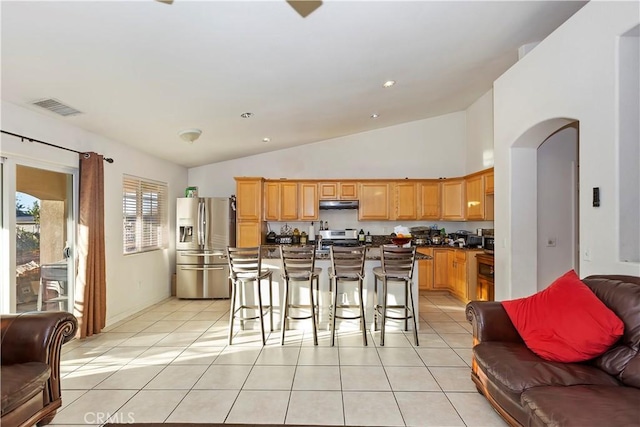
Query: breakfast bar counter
{"x": 271, "y": 260}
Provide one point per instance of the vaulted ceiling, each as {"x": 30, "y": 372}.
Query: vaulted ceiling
{"x": 142, "y": 71}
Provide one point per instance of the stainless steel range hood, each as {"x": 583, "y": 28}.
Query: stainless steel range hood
{"x": 338, "y": 204}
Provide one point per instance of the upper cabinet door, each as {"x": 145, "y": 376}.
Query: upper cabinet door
{"x": 429, "y": 200}
{"x": 374, "y": 201}
{"x": 348, "y": 190}
{"x": 488, "y": 182}
{"x": 328, "y": 190}
{"x": 249, "y": 199}
{"x": 406, "y": 205}
{"x": 271, "y": 201}
{"x": 308, "y": 201}
{"x": 453, "y": 200}
{"x": 288, "y": 201}
{"x": 475, "y": 197}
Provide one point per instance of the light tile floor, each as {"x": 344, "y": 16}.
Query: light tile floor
{"x": 171, "y": 363}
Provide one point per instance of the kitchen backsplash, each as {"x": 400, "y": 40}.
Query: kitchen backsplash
{"x": 341, "y": 219}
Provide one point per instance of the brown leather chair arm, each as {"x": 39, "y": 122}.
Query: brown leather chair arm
{"x": 490, "y": 322}
{"x": 37, "y": 337}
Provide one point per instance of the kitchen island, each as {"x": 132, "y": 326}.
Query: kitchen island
{"x": 271, "y": 260}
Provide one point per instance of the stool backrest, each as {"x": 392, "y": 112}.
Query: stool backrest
{"x": 348, "y": 261}
{"x": 397, "y": 261}
{"x": 244, "y": 262}
{"x": 297, "y": 260}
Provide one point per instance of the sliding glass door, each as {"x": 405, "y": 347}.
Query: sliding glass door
{"x": 42, "y": 234}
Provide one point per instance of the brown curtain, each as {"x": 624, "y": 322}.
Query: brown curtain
{"x": 90, "y": 293}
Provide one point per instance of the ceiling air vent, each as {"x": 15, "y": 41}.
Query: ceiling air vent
{"x": 57, "y": 107}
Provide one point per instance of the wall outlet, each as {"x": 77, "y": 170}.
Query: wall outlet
{"x": 551, "y": 242}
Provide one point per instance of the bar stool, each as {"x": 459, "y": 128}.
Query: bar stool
{"x": 245, "y": 266}
{"x": 298, "y": 265}
{"x": 347, "y": 265}
{"x": 396, "y": 266}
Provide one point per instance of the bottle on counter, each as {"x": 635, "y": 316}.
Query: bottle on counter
{"x": 368, "y": 238}
{"x": 361, "y": 236}
{"x": 321, "y": 226}
{"x": 326, "y": 225}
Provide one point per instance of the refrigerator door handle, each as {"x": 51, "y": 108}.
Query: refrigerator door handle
{"x": 197, "y": 254}
{"x": 205, "y": 225}
{"x": 202, "y": 268}
{"x": 200, "y": 222}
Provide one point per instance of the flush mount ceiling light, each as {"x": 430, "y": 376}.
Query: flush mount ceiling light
{"x": 190, "y": 135}
{"x": 246, "y": 115}
{"x": 375, "y": 115}
{"x": 266, "y": 140}
{"x": 389, "y": 83}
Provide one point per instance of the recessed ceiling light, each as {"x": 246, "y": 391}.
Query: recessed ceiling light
{"x": 266, "y": 139}
{"x": 375, "y": 115}
{"x": 246, "y": 115}
{"x": 389, "y": 83}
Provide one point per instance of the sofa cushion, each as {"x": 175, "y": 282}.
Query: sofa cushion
{"x": 20, "y": 382}
{"x": 515, "y": 368}
{"x": 565, "y": 406}
{"x": 565, "y": 322}
{"x": 622, "y": 295}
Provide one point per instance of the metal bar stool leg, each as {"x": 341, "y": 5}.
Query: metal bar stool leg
{"x": 363, "y": 325}
{"x": 334, "y": 311}
{"x": 285, "y": 311}
{"x": 406, "y": 305}
{"x": 413, "y": 315}
{"x": 384, "y": 310}
{"x": 270, "y": 304}
{"x": 375, "y": 303}
{"x": 313, "y": 312}
{"x": 261, "y": 313}
{"x": 232, "y": 311}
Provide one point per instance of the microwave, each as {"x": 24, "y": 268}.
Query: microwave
{"x": 474, "y": 241}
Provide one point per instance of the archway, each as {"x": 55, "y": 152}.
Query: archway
{"x": 524, "y": 202}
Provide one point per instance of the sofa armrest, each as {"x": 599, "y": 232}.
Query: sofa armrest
{"x": 37, "y": 337}
{"x": 491, "y": 322}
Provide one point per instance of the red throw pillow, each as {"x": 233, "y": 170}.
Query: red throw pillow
{"x": 565, "y": 322}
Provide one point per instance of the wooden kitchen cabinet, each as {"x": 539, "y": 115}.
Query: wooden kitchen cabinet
{"x": 338, "y": 190}
{"x": 271, "y": 201}
{"x": 406, "y": 200}
{"x": 249, "y": 234}
{"x": 453, "y": 199}
{"x": 458, "y": 274}
{"x": 441, "y": 268}
{"x": 374, "y": 201}
{"x": 308, "y": 210}
{"x": 249, "y": 199}
{"x": 475, "y": 195}
{"x": 425, "y": 270}
{"x": 429, "y": 200}
{"x": 288, "y": 201}
{"x": 488, "y": 182}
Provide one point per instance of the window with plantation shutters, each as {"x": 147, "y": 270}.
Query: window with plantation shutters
{"x": 144, "y": 214}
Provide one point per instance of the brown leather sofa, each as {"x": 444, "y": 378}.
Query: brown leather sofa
{"x": 30, "y": 365}
{"x": 527, "y": 390}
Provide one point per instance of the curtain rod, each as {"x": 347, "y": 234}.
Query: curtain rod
{"x": 22, "y": 137}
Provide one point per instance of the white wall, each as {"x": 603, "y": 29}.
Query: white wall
{"x": 133, "y": 281}
{"x": 479, "y": 146}
{"x": 570, "y": 75}
{"x": 429, "y": 148}
{"x": 557, "y": 173}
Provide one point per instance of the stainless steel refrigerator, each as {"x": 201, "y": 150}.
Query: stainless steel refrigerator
{"x": 205, "y": 227}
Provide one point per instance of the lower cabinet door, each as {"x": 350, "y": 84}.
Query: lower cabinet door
{"x": 202, "y": 281}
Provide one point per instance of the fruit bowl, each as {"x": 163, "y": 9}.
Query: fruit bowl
{"x": 401, "y": 241}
